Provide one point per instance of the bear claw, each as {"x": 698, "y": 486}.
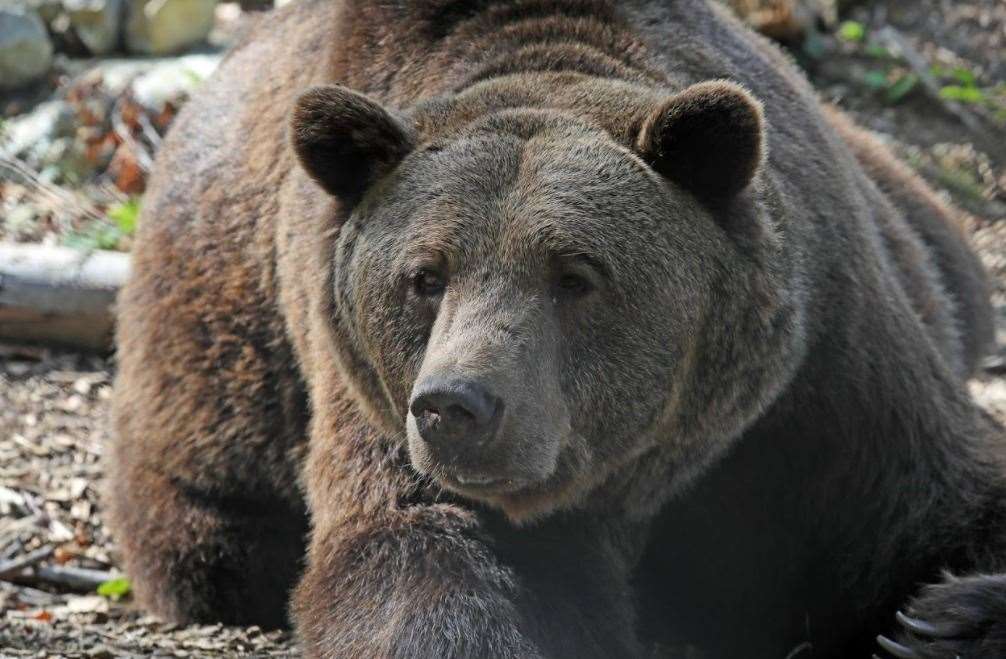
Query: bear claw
{"x": 923, "y": 628}
{"x": 896, "y": 649}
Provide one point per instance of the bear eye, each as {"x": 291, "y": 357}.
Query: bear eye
{"x": 428, "y": 283}
{"x": 574, "y": 285}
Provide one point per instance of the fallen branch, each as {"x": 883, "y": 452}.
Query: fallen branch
{"x": 74, "y": 578}
{"x": 12, "y": 567}
{"x": 32, "y": 596}
{"x": 59, "y": 295}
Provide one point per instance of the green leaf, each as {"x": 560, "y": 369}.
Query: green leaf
{"x": 125, "y": 216}
{"x": 115, "y": 588}
{"x": 962, "y": 94}
{"x": 878, "y": 52}
{"x": 902, "y": 87}
{"x": 95, "y": 237}
{"x": 965, "y": 77}
{"x": 194, "y": 76}
{"x": 851, "y": 31}
{"x": 876, "y": 79}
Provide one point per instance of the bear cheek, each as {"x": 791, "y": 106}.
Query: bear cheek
{"x": 399, "y": 338}
{"x": 419, "y": 452}
{"x": 622, "y": 380}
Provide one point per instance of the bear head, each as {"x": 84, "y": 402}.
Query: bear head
{"x": 539, "y": 300}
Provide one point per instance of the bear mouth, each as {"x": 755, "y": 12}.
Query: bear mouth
{"x": 479, "y": 485}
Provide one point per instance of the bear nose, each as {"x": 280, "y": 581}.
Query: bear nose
{"x": 448, "y": 410}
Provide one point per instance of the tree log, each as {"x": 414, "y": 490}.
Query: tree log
{"x": 58, "y": 295}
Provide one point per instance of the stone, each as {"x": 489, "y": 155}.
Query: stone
{"x": 48, "y": 10}
{"x": 161, "y": 27}
{"x": 44, "y": 140}
{"x": 29, "y": 135}
{"x": 25, "y": 49}
{"x": 173, "y": 80}
{"x": 96, "y": 23}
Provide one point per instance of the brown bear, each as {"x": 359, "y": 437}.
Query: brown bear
{"x": 551, "y": 328}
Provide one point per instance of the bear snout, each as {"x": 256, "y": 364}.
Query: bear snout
{"x": 461, "y": 432}
{"x": 451, "y": 411}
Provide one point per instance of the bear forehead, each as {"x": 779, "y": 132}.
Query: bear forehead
{"x": 498, "y": 197}
{"x": 540, "y": 153}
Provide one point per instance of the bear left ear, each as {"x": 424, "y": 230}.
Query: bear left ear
{"x": 707, "y": 138}
{"x": 346, "y": 141}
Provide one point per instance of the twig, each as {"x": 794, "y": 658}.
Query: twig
{"x": 29, "y": 522}
{"x": 75, "y": 578}
{"x": 11, "y": 548}
{"x": 119, "y": 127}
{"x": 12, "y": 567}
{"x": 34, "y": 181}
{"x": 33, "y": 596}
{"x": 149, "y": 131}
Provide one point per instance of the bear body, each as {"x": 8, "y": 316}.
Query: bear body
{"x": 549, "y": 328}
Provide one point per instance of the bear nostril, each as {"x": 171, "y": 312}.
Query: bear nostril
{"x": 431, "y": 417}
{"x": 460, "y": 414}
{"x": 447, "y": 410}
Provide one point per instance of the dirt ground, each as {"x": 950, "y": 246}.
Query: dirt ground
{"x": 53, "y": 404}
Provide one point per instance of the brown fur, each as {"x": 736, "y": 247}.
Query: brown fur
{"x": 747, "y": 430}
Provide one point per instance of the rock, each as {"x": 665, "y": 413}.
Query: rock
{"x": 25, "y": 49}
{"x": 48, "y": 10}
{"x": 96, "y": 23}
{"x": 65, "y": 162}
{"x": 31, "y": 134}
{"x": 152, "y": 82}
{"x": 19, "y": 220}
{"x": 44, "y": 140}
{"x": 88, "y": 603}
{"x": 160, "y": 27}
{"x": 173, "y": 80}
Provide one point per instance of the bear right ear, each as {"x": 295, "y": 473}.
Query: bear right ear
{"x": 709, "y": 139}
{"x": 346, "y": 141}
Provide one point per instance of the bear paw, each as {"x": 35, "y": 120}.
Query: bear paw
{"x": 961, "y": 618}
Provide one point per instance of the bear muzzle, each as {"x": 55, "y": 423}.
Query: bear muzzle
{"x": 458, "y": 435}
{"x": 450, "y": 411}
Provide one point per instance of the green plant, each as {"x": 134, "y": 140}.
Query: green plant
{"x": 115, "y": 589}
{"x": 962, "y": 94}
{"x": 893, "y": 82}
{"x": 902, "y": 87}
{"x": 194, "y": 76}
{"x": 961, "y": 85}
{"x": 120, "y": 223}
{"x": 878, "y": 51}
{"x": 125, "y": 215}
{"x": 96, "y": 235}
{"x": 851, "y": 31}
